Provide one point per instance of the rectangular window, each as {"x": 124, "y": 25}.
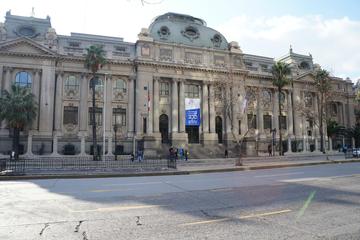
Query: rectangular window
{"x": 251, "y": 121}
{"x": 98, "y": 116}
{"x": 70, "y": 115}
{"x": 119, "y": 116}
{"x": 164, "y": 89}
{"x": 191, "y": 91}
{"x": 144, "y": 125}
{"x": 282, "y": 122}
{"x": 239, "y": 127}
{"x": 267, "y": 122}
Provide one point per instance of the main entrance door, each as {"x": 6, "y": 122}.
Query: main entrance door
{"x": 164, "y": 128}
{"x": 193, "y": 134}
{"x": 218, "y": 129}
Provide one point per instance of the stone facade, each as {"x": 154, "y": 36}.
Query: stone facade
{"x": 144, "y": 86}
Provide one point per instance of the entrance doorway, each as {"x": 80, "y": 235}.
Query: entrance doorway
{"x": 193, "y": 134}
{"x": 218, "y": 129}
{"x": 164, "y": 128}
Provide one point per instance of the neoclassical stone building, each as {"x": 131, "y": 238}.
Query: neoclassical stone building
{"x": 158, "y": 91}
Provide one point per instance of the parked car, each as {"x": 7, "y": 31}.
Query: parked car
{"x": 356, "y": 152}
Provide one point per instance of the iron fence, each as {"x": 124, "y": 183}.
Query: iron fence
{"x": 59, "y": 164}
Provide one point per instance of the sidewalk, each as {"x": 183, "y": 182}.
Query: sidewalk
{"x": 196, "y": 166}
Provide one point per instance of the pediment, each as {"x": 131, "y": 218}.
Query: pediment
{"x": 305, "y": 77}
{"x": 25, "y": 46}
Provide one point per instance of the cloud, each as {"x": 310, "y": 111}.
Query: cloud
{"x": 333, "y": 43}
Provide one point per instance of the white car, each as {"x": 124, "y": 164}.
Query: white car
{"x": 356, "y": 152}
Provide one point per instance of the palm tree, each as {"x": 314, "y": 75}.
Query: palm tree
{"x": 280, "y": 72}
{"x": 94, "y": 60}
{"x": 323, "y": 86}
{"x": 18, "y": 109}
{"x": 354, "y": 132}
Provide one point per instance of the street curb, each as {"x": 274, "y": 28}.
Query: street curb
{"x": 170, "y": 173}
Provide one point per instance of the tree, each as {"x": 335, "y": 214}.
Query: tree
{"x": 229, "y": 94}
{"x": 354, "y": 132}
{"x": 323, "y": 87}
{"x": 94, "y": 60}
{"x": 280, "y": 72}
{"x": 18, "y": 109}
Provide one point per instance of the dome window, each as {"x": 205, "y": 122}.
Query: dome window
{"x": 191, "y": 33}
{"x": 164, "y": 32}
{"x": 216, "y": 40}
{"x": 304, "y": 65}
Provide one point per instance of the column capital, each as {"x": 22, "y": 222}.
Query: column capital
{"x": 132, "y": 77}
{"x": 178, "y": 80}
{"x": 8, "y": 69}
{"x": 59, "y": 72}
{"x": 206, "y": 82}
{"x": 156, "y": 78}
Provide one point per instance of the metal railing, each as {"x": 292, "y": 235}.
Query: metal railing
{"x": 80, "y": 164}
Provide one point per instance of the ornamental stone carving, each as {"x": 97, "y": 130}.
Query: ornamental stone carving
{"x": 2, "y": 32}
{"x": 51, "y": 37}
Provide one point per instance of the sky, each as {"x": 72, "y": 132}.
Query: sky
{"x": 327, "y": 29}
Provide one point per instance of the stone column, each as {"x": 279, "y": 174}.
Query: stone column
{"x": 174, "y": 106}
{"x": 290, "y": 116}
{"x": 297, "y": 118}
{"x": 260, "y": 117}
{"x": 58, "y": 102}
{"x": 182, "y": 106}
{"x": 131, "y": 106}
{"x": 212, "y": 109}
{"x": 243, "y": 108}
{"x": 29, "y": 144}
{"x": 7, "y": 86}
{"x": 227, "y": 118}
{"x": 82, "y": 145}
{"x": 235, "y": 109}
{"x": 108, "y": 105}
{"x": 316, "y": 109}
{"x": 110, "y": 143}
{"x": 36, "y": 92}
{"x": 55, "y": 145}
{"x": 275, "y": 119}
{"x": 156, "y": 104}
{"x": 205, "y": 108}
{"x": 150, "y": 108}
{"x": 84, "y": 94}
{"x": 343, "y": 114}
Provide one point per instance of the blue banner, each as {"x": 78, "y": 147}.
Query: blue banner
{"x": 192, "y": 112}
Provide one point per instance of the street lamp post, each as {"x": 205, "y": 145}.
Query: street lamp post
{"x": 115, "y": 131}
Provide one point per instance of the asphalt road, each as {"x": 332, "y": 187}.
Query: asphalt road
{"x": 317, "y": 202}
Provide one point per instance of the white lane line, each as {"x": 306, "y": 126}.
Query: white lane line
{"x": 279, "y": 175}
{"x": 117, "y": 208}
{"x": 306, "y": 179}
{"x": 131, "y": 184}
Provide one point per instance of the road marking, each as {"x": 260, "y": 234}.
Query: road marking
{"x": 107, "y": 190}
{"x": 306, "y": 179}
{"x": 306, "y": 204}
{"x": 118, "y": 208}
{"x": 221, "y": 189}
{"x": 241, "y": 217}
{"x": 279, "y": 175}
{"x": 131, "y": 184}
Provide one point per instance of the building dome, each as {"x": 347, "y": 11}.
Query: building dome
{"x": 187, "y": 30}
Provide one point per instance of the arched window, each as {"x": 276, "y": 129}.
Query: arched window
{"x": 266, "y": 96}
{"x": 99, "y": 85}
{"x": 120, "y": 85}
{"x": 23, "y": 79}
{"x": 71, "y": 83}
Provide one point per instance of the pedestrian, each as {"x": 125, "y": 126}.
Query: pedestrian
{"x": 171, "y": 153}
{"x": 226, "y": 153}
{"x": 176, "y": 153}
{"x": 181, "y": 153}
{"x": 270, "y": 150}
{"x": 186, "y": 155}
{"x": 132, "y": 157}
